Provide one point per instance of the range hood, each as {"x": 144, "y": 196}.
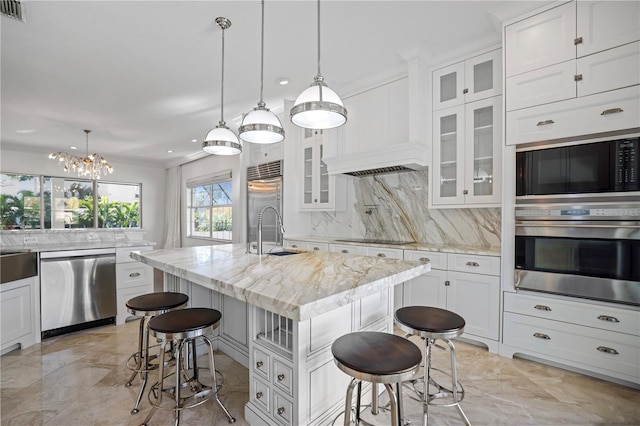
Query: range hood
{"x": 396, "y": 158}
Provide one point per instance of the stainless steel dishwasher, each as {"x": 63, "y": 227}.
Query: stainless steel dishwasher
{"x": 77, "y": 290}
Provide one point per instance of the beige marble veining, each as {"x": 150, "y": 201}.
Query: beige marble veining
{"x": 299, "y": 286}
{"x": 78, "y": 379}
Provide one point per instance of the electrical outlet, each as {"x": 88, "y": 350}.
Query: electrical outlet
{"x": 31, "y": 240}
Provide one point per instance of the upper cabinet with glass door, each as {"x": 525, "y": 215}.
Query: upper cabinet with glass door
{"x": 317, "y": 185}
{"x": 476, "y": 78}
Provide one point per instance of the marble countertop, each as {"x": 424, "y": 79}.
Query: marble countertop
{"x": 485, "y": 251}
{"x": 298, "y": 286}
{"x": 86, "y": 245}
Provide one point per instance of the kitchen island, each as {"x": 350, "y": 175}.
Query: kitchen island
{"x": 280, "y": 315}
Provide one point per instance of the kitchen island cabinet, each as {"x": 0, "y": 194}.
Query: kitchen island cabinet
{"x": 292, "y": 308}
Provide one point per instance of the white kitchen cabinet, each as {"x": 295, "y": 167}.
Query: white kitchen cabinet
{"x": 318, "y": 188}
{"x": 18, "y": 303}
{"x": 468, "y": 285}
{"x": 603, "y": 24}
{"x": 594, "y": 337}
{"x": 133, "y": 279}
{"x": 345, "y": 248}
{"x": 467, "y": 155}
{"x": 306, "y": 245}
{"x": 476, "y": 78}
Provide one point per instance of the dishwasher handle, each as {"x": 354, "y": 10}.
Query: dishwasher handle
{"x": 66, "y": 254}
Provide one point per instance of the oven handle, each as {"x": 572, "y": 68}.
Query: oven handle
{"x": 574, "y": 224}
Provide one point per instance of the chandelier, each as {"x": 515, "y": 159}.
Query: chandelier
{"x": 93, "y": 166}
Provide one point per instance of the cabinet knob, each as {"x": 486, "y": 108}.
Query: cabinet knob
{"x": 611, "y": 111}
{"x": 381, "y": 255}
{"x": 316, "y": 248}
{"x": 545, "y": 122}
{"x": 315, "y": 200}
{"x": 134, "y": 274}
{"x": 541, "y": 336}
{"x": 294, "y": 245}
{"x": 474, "y": 264}
{"x": 607, "y": 350}
{"x": 424, "y": 259}
{"x": 447, "y": 283}
{"x": 280, "y": 410}
{"x": 280, "y": 377}
{"x": 344, "y": 251}
{"x": 577, "y": 77}
{"x": 465, "y": 191}
{"x": 259, "y": 395}
{"x": 577, "y": 40}
{"x": 608, "y": 318}
{"x": 259, "y": 364}
{"x": 542, "y": 308}
{"x": 465, "y": 91}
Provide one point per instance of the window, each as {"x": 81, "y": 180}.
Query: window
{"x": 67, "y": 203}
{"x": 209, "y": 207}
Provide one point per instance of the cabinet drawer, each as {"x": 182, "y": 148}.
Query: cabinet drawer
{"x": 124, "y": 294}
{"x": 307, "y": 245}
{"x": 542, "y": 86}
{"x": 590, "y": 315}
{"x": 133, "y": 274}
{"x": 283, "y": 376}
{"x": 488, "y": 265}
{"x": 390, "y": 253}
{"x": 282, "y": 409}
{"x": 604, "y": 350}
{"x": 437, "y": 259}
{"x": 260, "y": 395}
{"x": 261, "y": 363}
{"x": 345, "y": 248}
{"x": 609, "y": 70}
{"x": 603, "y": 112}
{"x": 122, "y": 253}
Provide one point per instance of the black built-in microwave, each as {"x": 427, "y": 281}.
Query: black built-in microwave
{"x": 598, "y": 167}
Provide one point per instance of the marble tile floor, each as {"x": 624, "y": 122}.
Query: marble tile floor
{"x": 78, "y": 379}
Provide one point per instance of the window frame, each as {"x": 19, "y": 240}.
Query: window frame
{"x": 199, "y": 183}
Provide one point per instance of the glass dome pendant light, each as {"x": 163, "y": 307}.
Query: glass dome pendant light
{"x": 220, "y": 140}
{"x": 260, "y": 125}
{"x": 318, "y": 107}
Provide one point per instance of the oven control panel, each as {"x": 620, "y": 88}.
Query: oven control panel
{"x": 604, "y": 212}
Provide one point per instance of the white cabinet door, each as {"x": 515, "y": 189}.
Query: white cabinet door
{"x": 448, "y": 156}
{"x": 476, "y": 298}
{"x": 541, "y": 40}
{"x": 317, "y": 186}
{"x": 448, "y": 84}
{"x": 605, "y": 24}
{"x": 542, "y": 86}
{"x": 483, "y": 150}
{"x": 609, "y": 70}
{"x": 427, "y": 290}
{"x": 15, "y": 312}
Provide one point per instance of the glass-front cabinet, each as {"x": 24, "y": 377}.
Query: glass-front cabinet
{"x": 317, "y": 184}
{"x": 467, "y": 154}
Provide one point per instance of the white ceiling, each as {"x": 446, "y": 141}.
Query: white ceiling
{"x": 144, "y": 76}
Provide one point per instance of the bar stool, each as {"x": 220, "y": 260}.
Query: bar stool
{"x": 432, "y": 323}
{"x": 376, "y": 357}
{"x": 181, "y": 328}
{"x": 149, "y": 306}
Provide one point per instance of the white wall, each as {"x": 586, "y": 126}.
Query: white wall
{"x": 152, "y": 179}
{"x": 210, "y": 165}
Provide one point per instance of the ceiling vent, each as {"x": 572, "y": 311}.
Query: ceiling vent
{"x": 265, "y": 171}
{"x": 12, "y": 9}
{"x": 379, "y": 171}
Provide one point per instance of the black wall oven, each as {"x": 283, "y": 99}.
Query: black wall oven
{"x": 604, "y": 169}
{"x": 588, "y": 251}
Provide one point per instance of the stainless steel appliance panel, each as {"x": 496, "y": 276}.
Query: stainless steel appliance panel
{"x": 77, "y": 287}
{"x": 264, "y": 188}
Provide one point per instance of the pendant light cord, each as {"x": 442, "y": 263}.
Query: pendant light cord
{"x": 261, "y": 103}
{"x": 222, "y": 84}
{"x": 319, "y": 75}
{"x": 86, "y": 132}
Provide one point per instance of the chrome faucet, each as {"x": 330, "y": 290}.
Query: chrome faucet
{"x": 260, "y": 225}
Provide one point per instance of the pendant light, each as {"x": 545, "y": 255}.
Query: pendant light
{"x": 318, "y": 107}
{"x": 260, "y": 125}
{"x": 220, "y": 140}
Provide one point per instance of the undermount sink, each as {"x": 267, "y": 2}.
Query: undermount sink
{"x": 283, "y": 253}
{"x": 15, "y": 265}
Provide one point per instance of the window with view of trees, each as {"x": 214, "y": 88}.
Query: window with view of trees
{"x": 67, "y": 203}
{"x": 209, "y": 210}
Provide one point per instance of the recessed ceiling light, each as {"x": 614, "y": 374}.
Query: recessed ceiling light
{"x": 25, "y": 131}
{"x": 194, "y": 140}
{"x": 170, "y": 151}
{"x": 283, "y": 81}
{"x": 73, "y": 147}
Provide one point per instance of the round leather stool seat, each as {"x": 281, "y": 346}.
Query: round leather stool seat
{"x": 185, "y": 323}
{"x": 153, "y": 304}
{"x": 376, "y": 357}
{"x": 429, "y": 322}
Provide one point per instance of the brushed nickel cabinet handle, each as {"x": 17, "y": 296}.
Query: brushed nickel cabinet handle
{"x": 280, "y": 377}
{"x": 447, "y": 283}
{"x": 465, "y": 91}
{"x": 465, "y": 191}
{"x": 607, "y": 350}
{"x": 545, "y": 122}
{"x": 259, "y": 364}
{"x": 259, "y": 395}
{"x": 134, "y": 274}
{"x": 541, "y": 336}
{"x": 608, "y": 318}
{"x": 424, "y": 259}
{"x": 381, "y": 255}
{"x": 280, "y": 410}
{"x": 474, "y": 264}
{"x": 611, "y": 111}
{"x": 577, "y": 40}
{"x": 542, "y": 308}
{"x": 344, "y": 251}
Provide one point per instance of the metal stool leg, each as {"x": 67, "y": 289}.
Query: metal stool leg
{"x": 145, "y": 371}
{"x": 214, "y": 385}
{"x": 139, "y": 354}
{"x": 454, "y": 381}
{"x": 395, "y": 414}
{"x": 348, "y": 400}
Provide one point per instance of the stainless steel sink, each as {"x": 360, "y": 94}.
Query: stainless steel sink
{"x": 16, "y": 265}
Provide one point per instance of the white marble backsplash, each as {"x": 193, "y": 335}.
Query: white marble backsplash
{"x": 46, "y": 237}
{"x": 395, "y": 207}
